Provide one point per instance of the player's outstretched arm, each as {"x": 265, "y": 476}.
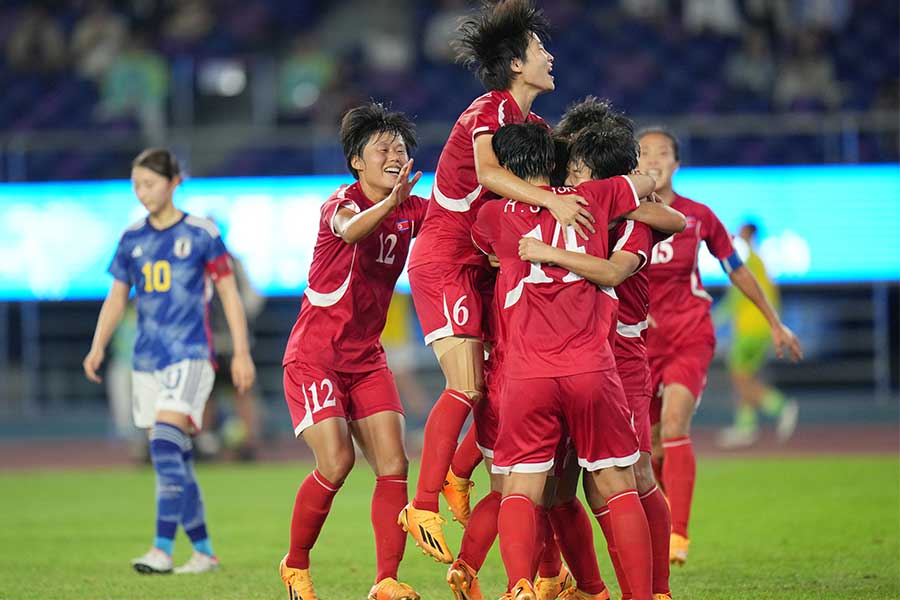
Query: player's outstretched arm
{"x": 660, "y": 217}
{"x": 599, "y": 271}
{"x": 110, "y": 314}
{"x": 243, "y": 372}
{"x": 568, "y": 209}
{"x": 782, "y": 337}
{"x": 353, "y": 227}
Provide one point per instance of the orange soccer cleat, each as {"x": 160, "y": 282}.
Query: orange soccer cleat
{"x": 457, "y": 492}
{"x": 678, "y": 549}
{"x": 426, "y": 528}
{"x": 523, "y": 590}
{"x": 573, "y": 593}
{"x": 298, "y": 582}
{"x": 463, "y": 581}
{"x": 549, "y": 588}
{"x": 391, "y": 589}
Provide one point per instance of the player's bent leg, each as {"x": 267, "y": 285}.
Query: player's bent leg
{"x": 332, "y": 447}
{"x": 457, "y": 488}
{"x": 462, "y": 361}
{"x": 680, "y": 467}
{"x": 380, "y": 437}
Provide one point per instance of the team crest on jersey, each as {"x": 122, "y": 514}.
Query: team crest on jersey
{"x": 182, "y": 247}
{"x": 137, "y": 252}
{"x": 403, "y": 225}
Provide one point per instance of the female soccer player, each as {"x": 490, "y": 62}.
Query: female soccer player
{"x": 169, "y": 256}
{"x": 681, "y": 339}
{"x": 451, "y": 282}
{"x": 336, "y": 380}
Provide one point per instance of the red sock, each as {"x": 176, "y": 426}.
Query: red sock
{"x": 518, "y": 532}
{"x": 679, "y": 475}
{"x": 657, "y": 464}
{"x": 311, "y": 508}
{"x": 549, "y": 560}
{"x": 441, "y": 434}
{"x": 388, "y": 500}
{"x": 576, "y": 540}
{"x": 632, "y": 535}
{"x": 660, "y": 522}
{"x": 467, "y": 456}
{"x": 481, "y": 532}
{"x": 602, "y": 516}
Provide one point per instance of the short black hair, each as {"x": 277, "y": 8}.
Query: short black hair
{"x": 606, "y": 150}
{"x": 561, "y": 162}
{"x": 159, "y": 160}
{"x": 589, "y": 112}
{"x": 490, "y": 39}
{"x": 526, "y": 149}
{"x": 361, "y": 123}
{"x": 662, "y": 130}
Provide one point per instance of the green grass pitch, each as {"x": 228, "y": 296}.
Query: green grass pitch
{"x": 793, "y": 528}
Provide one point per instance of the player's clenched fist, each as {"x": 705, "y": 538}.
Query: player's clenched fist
{"x": 92, "y": 363}
{"x": 534, "y": 250}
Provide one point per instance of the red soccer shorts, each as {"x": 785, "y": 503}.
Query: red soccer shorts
{"x": 485, "y": 414}
{"x": 536, "y": 413}
{"x": 452, "y": 300}
{"x": 686, "y": 365}
{"x": 314, "y": 393}
{"x": 635, "y": 375}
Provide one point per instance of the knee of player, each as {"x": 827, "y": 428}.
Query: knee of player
{"x": 675, "y": 428}
{"x": 394, "y": 465}
{"x": 643, "y": 475}
{"x": 336, "y": 467}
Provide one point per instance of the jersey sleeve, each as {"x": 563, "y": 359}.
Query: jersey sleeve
{"x": 634, "y": 237}
{"x": 717, "y": 238}
{"x": 119, "y": 267}
{"x": 330, "y": 209}
{"x": 215, "y": 256}
{"x": 487, "y": 224}
{"x": 612, "y": 197}
{"x": 489, "y": 116}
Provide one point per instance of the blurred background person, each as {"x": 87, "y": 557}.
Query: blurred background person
{"x": 239, "y": 428}
{"x": 750, "y": 347}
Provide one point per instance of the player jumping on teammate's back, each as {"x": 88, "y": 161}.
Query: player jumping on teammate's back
{"x": 681, "y": 341}
{"x": 451, "y": 284}
{"x": 169, "y": 258}
{"x": 337, "y": 384}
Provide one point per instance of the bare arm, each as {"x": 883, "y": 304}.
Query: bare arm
{"x": 568, "y": 210}
{"x": 659, "y": 216}
{"x": 599, "y": 271}
{"x": 110, "y": 314}
{"x": 353, "y": 227}
{"x": 242, "y": 370}
{"x": 643, "y": 184}
{"x": 782, "y": 336}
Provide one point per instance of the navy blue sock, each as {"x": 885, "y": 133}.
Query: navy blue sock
{"x": 193, "y": 517}
{"x": 167, "y": 443}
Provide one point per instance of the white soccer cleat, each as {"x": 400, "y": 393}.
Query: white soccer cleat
{"x": 734, "y": 438}
{"x": 199, "y": 563}
{"x": 155, "y": 562}
{"x": 787, "y": 421}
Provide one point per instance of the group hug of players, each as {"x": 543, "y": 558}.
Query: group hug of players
{"x": 546, "y": 251}
{"x": 534, "y": 250}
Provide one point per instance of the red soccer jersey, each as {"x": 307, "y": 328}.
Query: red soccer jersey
{"x": 679, "y": 304}
{"x": 457, "y": 195}
{"x": 549, "y": 320}
{"x": 350, "y": 286}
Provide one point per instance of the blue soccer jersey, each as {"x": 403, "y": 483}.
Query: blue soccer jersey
{"x": 172, "y": 271}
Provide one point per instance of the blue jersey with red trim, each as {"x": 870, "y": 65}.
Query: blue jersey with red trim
{"x": 171, "y": 271}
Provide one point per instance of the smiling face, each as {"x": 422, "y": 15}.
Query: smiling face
{"x": 536, "y": 69}
{"x": 152, "y": 189}
{"x": 382, "y": 157}
{"x": 658, "y": 160}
